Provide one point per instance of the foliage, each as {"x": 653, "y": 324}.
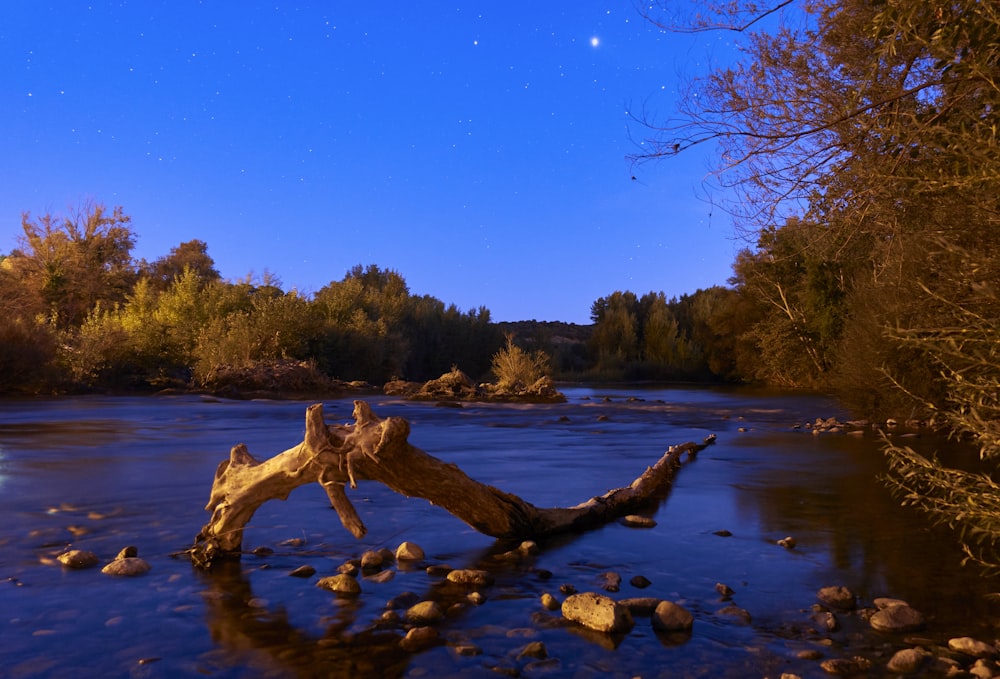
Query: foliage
{"x": 516, "y": 368}
{"x": 859, "y": 141}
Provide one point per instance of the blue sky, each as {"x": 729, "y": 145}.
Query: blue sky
{"x": 479, "y": 149}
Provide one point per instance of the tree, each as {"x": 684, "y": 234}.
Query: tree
{"x": 874, "y": 125}
{"x": 189, "y": 255}
{"x": 76, "y": 262}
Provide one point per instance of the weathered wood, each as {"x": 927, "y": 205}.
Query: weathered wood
{"x": 378, "y": 449}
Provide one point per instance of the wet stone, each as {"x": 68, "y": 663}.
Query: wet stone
{"x": 127, "y": 567}
{"x": 408, "y": 551}
{"x": 906, "y": 661}
{"x": 837, "y": 597}
{"x": 973, "y": 647}
{"x": 419, "y": 638}
{"x": 305, "y": 571}
{"x": 636, "y": 521}
{"x": 78, "y": 558}
{"x": 897, "y": 619}
{"x": 549, "y": 602}
{"x": 425, "y": 612}
{"x": 610, "y": 581}
{"x": 535, "y": 649}
{"x": 597, "y": 612}
{"x": 640, "y": 606}
{"x": 470, "y": 576}
{"x": 340, "y": 584}
{"x": 846, "y": 667}
{"x": 671, "y": 617}
{"x": 640, "y": 582}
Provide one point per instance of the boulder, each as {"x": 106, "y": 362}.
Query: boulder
{"x": 597, "y": 612}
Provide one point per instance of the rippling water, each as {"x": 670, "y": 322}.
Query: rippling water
{"x": 102, "y": 473}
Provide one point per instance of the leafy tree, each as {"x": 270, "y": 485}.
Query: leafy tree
{"x": 874, "y": 124}
{"x": 189, "y": 255}
{"x": 76, "y": 262}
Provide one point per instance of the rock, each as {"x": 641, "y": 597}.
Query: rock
{"x": 826, "y": 621}
{"x": 475, "y": 598}
{"x": 643, "y": 605}
{"x": 840, "y": 598}
{"x": 403, "y": 600}
{"x": 470, "y": 576}
{"x": 128, "y": 553}
{"x": 348, "y": 568}
{"x": 127, "y": 567}
{"x": 528, "y": 547}
{"x": 640, "y": 582}
{"x": 885, "y": 602}
{"x": 342, "y": 584}
{"x": 78, "y": 558}
{"x": 425, "y": 612}
{"x": 725, "y": 591}
{"x": 973, "y": 647}
{"x": 305, "y": 571}
{"x": 636, "y": 521}
{"x": 846, "y": 667}
{"x": 723, "y": 533}
{"x": 372, "y": 561}
{"x": 467, "y": 649}
{"x": 671, "y": 617}
{"x": 983, "y": 669}
{"x": 419, "y": 638}
{"x": 610, "y": 581}
{"x": 408, "y": 551}
{"x": 549, "y": 602}
{"x": 787, "y": 542}
{"x": 906, "y": 661}
{"x": 567, "y": 589}
{"x": 735, "y": 611}
{"x": 535, "y": 649}
{"x": 897, "y": 619}
{"x": 597, "y": 612}
{"x": 381, "y": 576}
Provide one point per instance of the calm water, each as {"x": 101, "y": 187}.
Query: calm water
{"x": 103, "y": 473}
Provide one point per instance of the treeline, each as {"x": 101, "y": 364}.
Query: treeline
{"x": 80, "y": 312}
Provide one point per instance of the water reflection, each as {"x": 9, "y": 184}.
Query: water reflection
{"x": 101, "y": 473}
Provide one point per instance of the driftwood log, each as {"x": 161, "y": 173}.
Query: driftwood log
{"x": 377, "y": 449}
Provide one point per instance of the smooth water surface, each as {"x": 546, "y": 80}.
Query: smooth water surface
{"x": 101, "y": 473}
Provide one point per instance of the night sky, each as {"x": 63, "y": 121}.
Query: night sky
{"x": 479, "y": 149}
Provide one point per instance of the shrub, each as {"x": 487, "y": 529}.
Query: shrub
{"x": 515, "y": 368}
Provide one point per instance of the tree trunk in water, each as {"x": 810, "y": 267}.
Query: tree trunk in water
{"x": 377, "y": 449}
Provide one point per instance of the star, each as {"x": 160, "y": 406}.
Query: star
{"x": 595, "y": 41}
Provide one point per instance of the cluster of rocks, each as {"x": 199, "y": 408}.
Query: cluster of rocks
{"x": 831, "y": 425}
{"x": 455, "y": 386}
{"x": 127, "y": 563}
{"x": 958, "y": 657}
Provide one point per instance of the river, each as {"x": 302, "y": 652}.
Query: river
{"x": 100, "y": 473}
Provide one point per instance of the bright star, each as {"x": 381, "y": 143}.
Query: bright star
{"x": 595, "y": 41}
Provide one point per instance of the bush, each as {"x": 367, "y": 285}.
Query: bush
{"x": 515, "y": 368}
